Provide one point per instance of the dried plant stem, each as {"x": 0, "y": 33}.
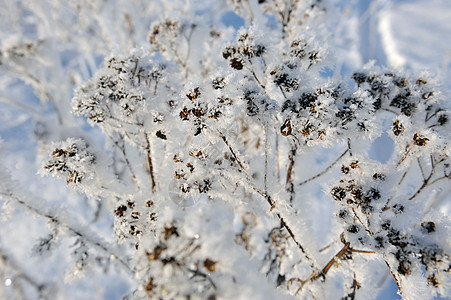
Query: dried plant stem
{"x": 302, "y": 282}
{"x": 325, "y": 170}
{"x": 421, "y": 168}
{"x": 355, "y": 286}
{"x": 398, "y": 284}
{"x": 188, "y": 51}
{"x": 371, "y": 234}
{"x": 6, "y": 259}
{"x": 265, "y": 183}
{"x": 316, "y": 275}
{"x": 268, "y": 198}
{"x": 277, "y": 158}
{"x": 290, "y": 232}
{"x": 404, "y": 156}
{"x": 289, "y": 181}
{"x": 326, "y": 247}
{"x": 149, "y": 162}
{"x": 427, "y": 180}
{"x": 20, "y": 105}
{"x": 121, "y": 147}
{"x": 38, "y": 85}
{"x": 87, "y": 236}
{"x": 256, "y": 79}
{"x": 232, "y": 151}
{"x": 286, "y": 16}
{"x": 349, "y": 147}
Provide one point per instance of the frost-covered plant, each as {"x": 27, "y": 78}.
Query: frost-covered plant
{"x": 212, "y": 139}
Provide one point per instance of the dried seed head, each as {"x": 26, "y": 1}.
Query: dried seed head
{"x": 237, "y": 63}
{"x": 193, "y": 94}
{"x": 170, "y": 231}
{"x": 433, "y": 281}
{"x": 285, "y": 129}
{"x": 428, "y": 226}
{"x": 345, "y": 169}
{"x": 161, "y": 135}
{"x": 120, "y": 210}
{"x": 184, "y": 114}
{"x": 354, "y": 164}
{"x": 421, "y": 81}
{"x": 379, "y": 176}
{"x": 397, "y": 128}
{"x": 420, "y": 140}
{"x": 130, "y": 203}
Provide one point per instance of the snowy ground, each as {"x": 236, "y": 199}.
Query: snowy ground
{"x": 415, "y": 35}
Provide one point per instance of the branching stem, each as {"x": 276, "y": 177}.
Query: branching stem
{"x": 264, "y": 195}
{"x": 20, "y": 273}
{"x": 346, "y": 250}
{"x": 427, "y": 181}
{"x": 83, "y": 233}
{"x": 121, "y": 146}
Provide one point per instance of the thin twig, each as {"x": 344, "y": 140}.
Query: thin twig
{"x": 402, "y": 178}
{"x": 149, "y": 162}
{"x": 8, "y": 260}
{"x": 232, "y": 151}
{"x": 21, "y": 105}
{"x": 365, "y": 226}
{"x": 427, "y": 180}
{"x": 251, "y": 14}
{"x": 325, "y": 170}
{"x": 265, "y": 179}
{"x": 355, "y": 286}
{"x": 283, "y": 93}
{"x": 277, "y": 158}
{"x": 302, "y": 282}
{"x": 326, "y": 247}
{"x": 421, "y": 168}
{"x": 188, "y": 52}
{"x": 404, "y": 156}
{"x": 398, "y": 284}
{"x": 37, "y": 84}
{"x": 86, "y": 235}
{"x": 203, "y": 275}
{"x": 349, "y": 147}
{"x": 426, "y": 184}
{"x": 289, "y": 182}
{"x": 121, "y": 147}
{"x": 263, "y": 195}
{"x": 315, "y": 275}
{"x": 256, "y": 79}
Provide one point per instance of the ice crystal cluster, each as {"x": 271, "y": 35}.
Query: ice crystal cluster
{"x": 217, "y": 144}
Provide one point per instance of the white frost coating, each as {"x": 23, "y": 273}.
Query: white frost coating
{"x": 222, "y": 163}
